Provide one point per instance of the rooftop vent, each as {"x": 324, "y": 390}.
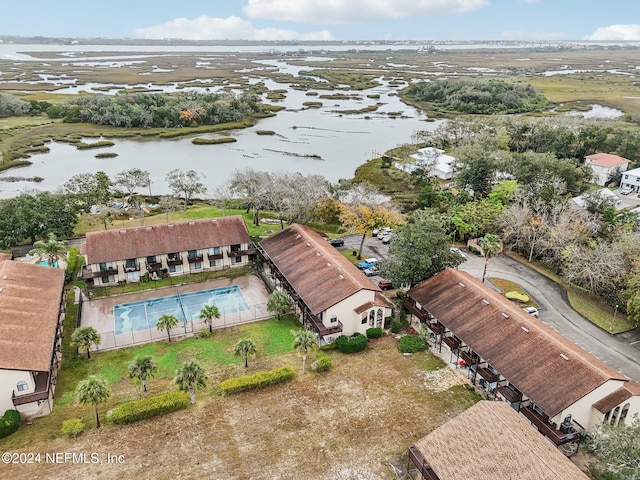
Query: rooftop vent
{"x": 328, "y": 264}
{"x": 461, "y": 284}
{"x": 192, "y": 223}
{"x": 298, "y": 236}
{"x": 214, "y": 220}
{"x": 308, "y": 244}
{"x": 505, "y": 315}
{"x": 170, "y": 225}
{"x": 485, "y": 301}
{"x": 563, "y": 356}
{"x": 317, "y": 254}
{"x": 123, "y": 231}
{"x": 340, "y": 277}
{"x": 4, "y": 277}
{"x": 0, "y": 289}
{"x": 148, "y": 229}
{"x": 525, "y": 329}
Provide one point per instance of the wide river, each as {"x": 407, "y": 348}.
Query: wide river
{"x": 343, "y": 142}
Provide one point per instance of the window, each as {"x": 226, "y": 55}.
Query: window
{"x": 215, "y": 263}
{"x": 133, "y": 276}
{"x": 109, "y": 279}
{"x": 333, "y": 319}
{"x": 196, "y": 266}
{"x": 175, "y": 268}
{"x": 152, "y": 259}
{"x": 194, "y": 253}
{"x": 131, "y": 263}
{"x": 237, "y": 259}
{"x": 364, "y": 318}
{"x": 22, "y": 386}
{"x": 214, "y": 251}
{"x": 235, "y": 248}
{"x": 372, "y": 317}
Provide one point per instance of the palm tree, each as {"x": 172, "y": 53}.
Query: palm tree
{"x": 93, "y": 391}
{"x": 50, "y": 250}
{"x": 490, "y": 245}
{"x": 143, "y": 368}
{"x": 208, "y": 313}
{"x": 85, "y": 337}
{"x": 304, "y": 341}
{"x": 189, "y": 377}
{"x": 244, "y": 348}
{"x": 167, "y": 322}
{"x": 279, "y": 302}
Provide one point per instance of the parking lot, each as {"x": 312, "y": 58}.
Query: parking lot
{"x": 373, "y": 248}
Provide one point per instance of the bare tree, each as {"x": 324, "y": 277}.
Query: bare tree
{"x": 168, "y": 204}
{"x": 593, "y": 267}
{"x": 251, "y": 186}
{"x": 132, "y": 179}
{"x": 185, "y": 184}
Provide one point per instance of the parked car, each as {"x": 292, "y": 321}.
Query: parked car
{"x": 385, "y": 284}
{"x": 531, "y": 311}
{"x": 367, "y": 263}
{"x": 384, "y": 232}
{"x": 337, "y": 242}
{"x": 387, "y": 239}
{"x": 626, "y": 190}
{"x": 458, "y": 251}
{"x": 371, "y": 272}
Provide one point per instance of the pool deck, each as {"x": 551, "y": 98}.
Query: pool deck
{"x": 99, "y": 313}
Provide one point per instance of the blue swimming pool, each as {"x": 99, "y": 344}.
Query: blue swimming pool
{"x": 142, "y": 315}
{"x": 45, "y": 263}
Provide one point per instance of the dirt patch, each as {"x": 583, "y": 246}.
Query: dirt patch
{"x": 345, "y": 423}
{"x": 441, "y": 380}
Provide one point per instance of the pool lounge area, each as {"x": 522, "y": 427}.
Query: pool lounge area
{"x": 143, "y": 315}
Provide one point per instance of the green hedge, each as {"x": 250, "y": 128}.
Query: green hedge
{"x": 374, "y": 332}
{"x": 322, "y": 363}
{"x": 72, "y": 428}
{"x": 9, "y": 423}
{"x": 411, "y": 344}
{"x": 148, "y": 407}
{"x": 258, "y": 380}
{"x": 353, "y": 344}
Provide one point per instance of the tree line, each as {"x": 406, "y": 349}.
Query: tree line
{"x": 142, "y": 110}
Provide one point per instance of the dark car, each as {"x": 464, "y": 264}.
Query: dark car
{"x": 385, "y": 284}
{"x": 337, "y": 242}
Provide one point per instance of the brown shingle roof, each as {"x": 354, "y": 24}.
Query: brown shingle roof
{"x": 492, "y": 441}
{"x": 608, "y": 403}
{"x": 139, "y": 242}
{"x": 379, "y": 301}
{"x": 5, "y": 256}
{"x": 30, "y": 302}
{"x": 316, "y": 270}
{"x": 606, "y": 160}
{"x": 549, "y": 369}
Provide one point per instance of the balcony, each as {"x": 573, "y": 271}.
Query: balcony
{"x": 410, "y": 306}
{"x": 86, "y": 272}
{"x": 41, "y": 391}
{"x": 242, "y": 253}
{"x": 416, "y": 457}
{"x": 509, "y": 394}
{"x": 469, "y": 358}
{"x": 541, "y": 422}
{"x": 322, "y": 329}
{"x": 451, "y": 342}
{"x": 174, "y": 260}
{"x": 215, "y": 256}
{"x": 132, "y": 267}
{"x": 154, "y": 266}
{"x": 488, "y": 375}
{"x": 195, "y": 258}
{"x": 436, "y": 328}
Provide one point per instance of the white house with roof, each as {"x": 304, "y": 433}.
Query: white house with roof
{"x": 598, "y": 196}
{"x": 631, "y": 179}
{"x": 331, "y": 295}
{"x": 32, "y": 306}
{"x": 603, "y": 165}
{"x": 434, "y": 160}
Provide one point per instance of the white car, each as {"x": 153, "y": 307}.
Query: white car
{"x": 626, "y": 191}
{"x": 458, "y": 251}
{"x": 531, "y": 311}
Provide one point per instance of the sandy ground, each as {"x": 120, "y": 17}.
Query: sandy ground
{"x": 342, "y": 424}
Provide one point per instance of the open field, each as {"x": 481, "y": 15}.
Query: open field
{"x": 344, "y": 423}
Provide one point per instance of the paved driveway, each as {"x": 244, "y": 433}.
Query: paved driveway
{"x": 621, "y": 351}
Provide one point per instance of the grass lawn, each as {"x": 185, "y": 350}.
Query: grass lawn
{"x": 344, "y": 423}
{"x": 509, "y": 286}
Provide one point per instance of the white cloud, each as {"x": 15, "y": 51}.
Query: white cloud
{"x": 344, "y": 11}
{"x": 231, "y": 28}
{"x": 616, "y": 32}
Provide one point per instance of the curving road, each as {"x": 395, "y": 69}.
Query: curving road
{"x": 621, "y": 351}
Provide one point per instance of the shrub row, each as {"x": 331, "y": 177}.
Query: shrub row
{"x": 9, "y": 423}
{"x": 374, "y": 332}
{"x": 258, "y": 380}
{"x": 322, "y": 363}
{"x": 353, "y": 344}
{"x": 137, "y": 410}
{"x": 72, "y": 428}
{"x": 411, "y": 344}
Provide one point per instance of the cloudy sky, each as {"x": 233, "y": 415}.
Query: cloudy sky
{"x": 328, "y": 19}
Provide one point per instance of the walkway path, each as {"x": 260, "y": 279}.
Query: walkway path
{"x": 621, "y": 351}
